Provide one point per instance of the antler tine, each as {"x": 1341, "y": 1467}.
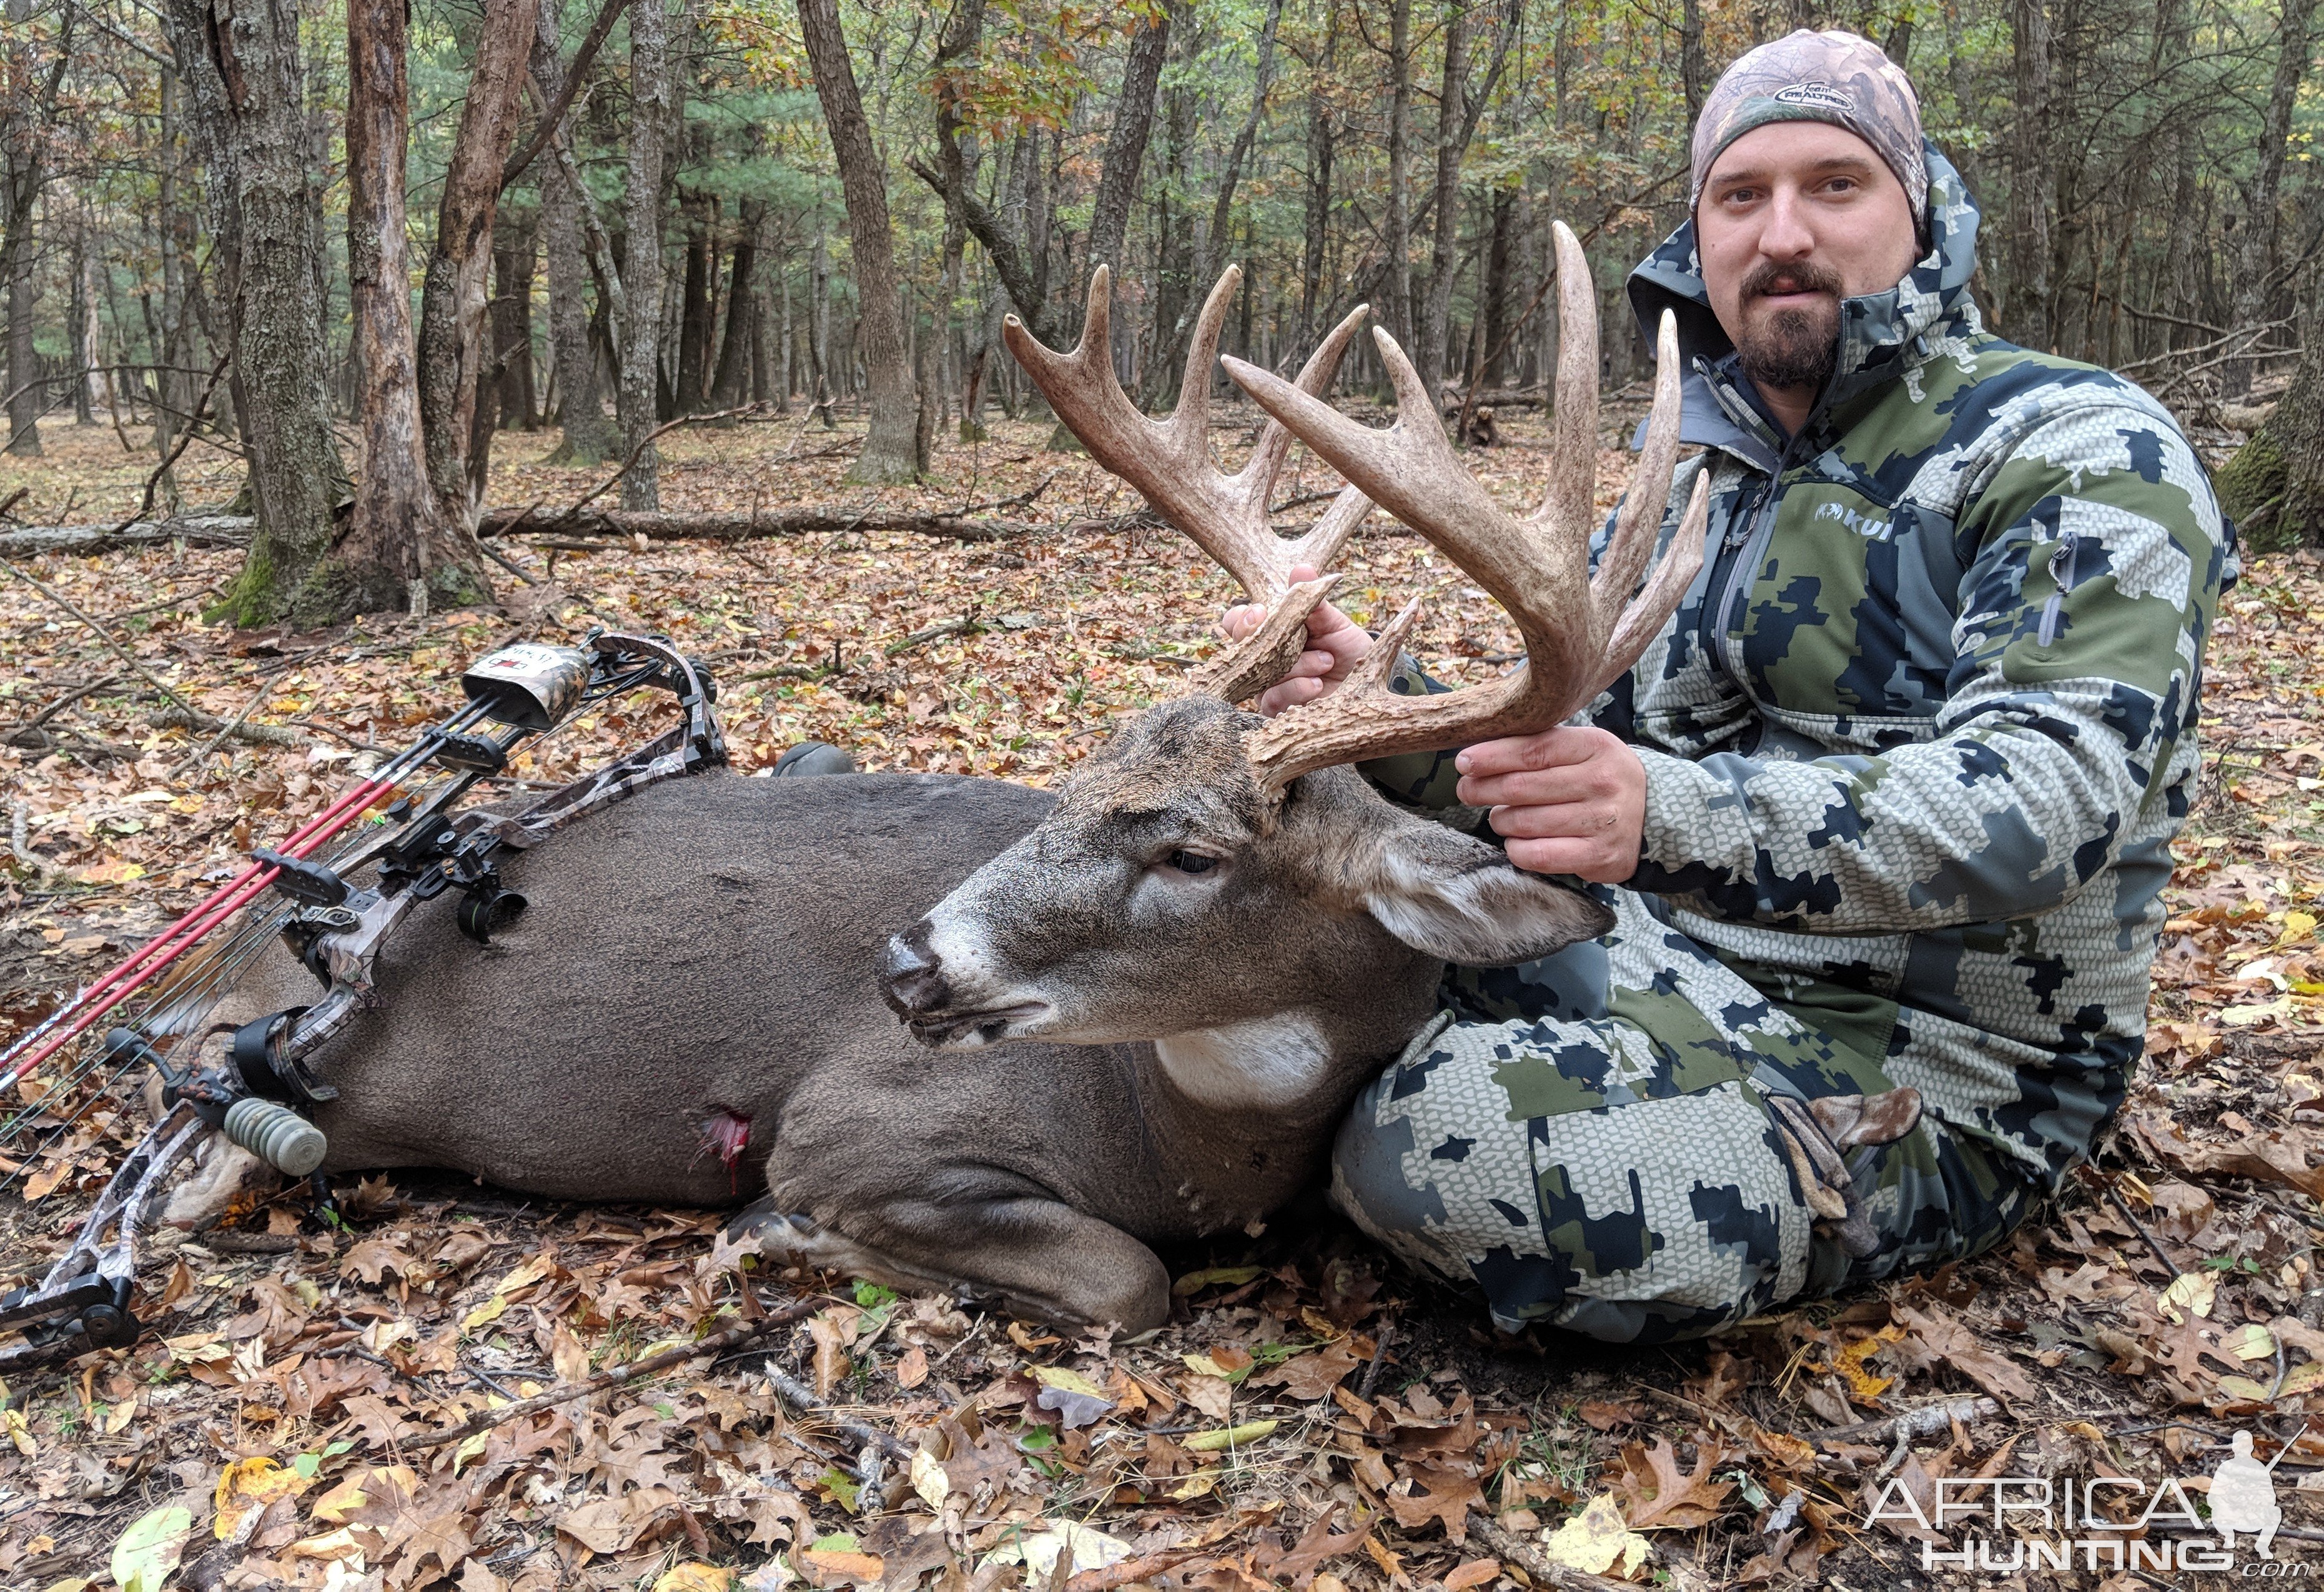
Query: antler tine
{"x": 1632, "y": 542}
{"x": 1256, "y": 480}
{"x": 1167, "y": 460}
{"x": 1570, "y": 497}
{"x": 1578, "y": 633}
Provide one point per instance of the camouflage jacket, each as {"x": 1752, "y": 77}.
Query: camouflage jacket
{"x": 1918, "y": 738}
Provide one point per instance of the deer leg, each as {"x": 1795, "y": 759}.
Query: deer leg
{"x": 1017, "y": 1247}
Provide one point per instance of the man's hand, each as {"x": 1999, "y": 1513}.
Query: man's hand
{"x": 1335, "y": 644}
{"x": 1570, "y": 800}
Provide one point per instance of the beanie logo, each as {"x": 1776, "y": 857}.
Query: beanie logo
{"x": 1815, "y": 95}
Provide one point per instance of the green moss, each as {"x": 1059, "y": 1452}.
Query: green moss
{"x": 2250, "y": 488}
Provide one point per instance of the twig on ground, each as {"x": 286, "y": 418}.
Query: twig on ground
{"x": 1926, "y": 1421}
{"x": 806, "y": 1401}
{"x": 190, "y": 718}
{"x": 653, "y": 1364}
{"x": 102, "y": 634}
{"x": 1538, "y": 1567}
{"x": 59, "y": 705}
{"x": 1380, "y": 1340}
{"x": 963, "y": 626}
{"x": 257, "y": 696}
{"x": 2116, "y": 1199}
{"x": 491, "y": 553}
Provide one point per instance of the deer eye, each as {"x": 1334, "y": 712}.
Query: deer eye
{"x": 1191, "y": 861}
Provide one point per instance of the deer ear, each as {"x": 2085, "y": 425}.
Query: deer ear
{"x": 1459, "y": 899}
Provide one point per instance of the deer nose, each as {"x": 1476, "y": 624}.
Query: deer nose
{"x": 912, "y": 975}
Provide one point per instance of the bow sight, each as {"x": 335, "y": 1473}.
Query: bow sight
{"x": 255, "y": 1086}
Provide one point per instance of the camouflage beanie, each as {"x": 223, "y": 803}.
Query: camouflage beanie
{"x": 1833, "y": 76}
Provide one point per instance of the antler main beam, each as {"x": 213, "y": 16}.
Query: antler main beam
{"x": 1169, "y": 461}
{"x": 1580, "y": 631}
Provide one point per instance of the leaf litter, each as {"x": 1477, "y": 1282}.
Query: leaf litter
{"x": 1312, "y": 1416}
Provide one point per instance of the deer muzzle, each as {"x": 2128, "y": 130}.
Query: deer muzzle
{"x": 915, "y": 984}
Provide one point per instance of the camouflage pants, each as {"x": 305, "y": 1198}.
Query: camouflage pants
{"x": 1588, "y": 1138}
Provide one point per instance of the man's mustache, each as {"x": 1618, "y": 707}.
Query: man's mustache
{"x": 1801, "y": 276}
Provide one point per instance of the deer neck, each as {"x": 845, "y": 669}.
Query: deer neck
{"x": 1243, "y": 1113}
{"x": 1280, "y": 1065}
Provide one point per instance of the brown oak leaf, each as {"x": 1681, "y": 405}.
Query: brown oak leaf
{"x": 1438, "y": 1492}
{"x": 1958, "y": 1347}
{"x": 1312, "y": 1375}
{"x": 1658, "y": 1495}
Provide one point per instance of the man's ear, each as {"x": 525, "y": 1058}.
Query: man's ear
{"x": 1463, "y": 900}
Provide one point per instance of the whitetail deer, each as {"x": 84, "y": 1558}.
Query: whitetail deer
{"x": 1210, "y": 938}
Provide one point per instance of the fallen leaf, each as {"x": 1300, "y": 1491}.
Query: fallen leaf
{"x": 2191, "y": 1292}
{"x": 147, "y": 1554}
{"x": 1662, "y": 1497}
{"x": 693, "y": 1577}
{"x": 1597, "y": 1540}
{"x": 1439, "y": 1492}
{"x": 1311, "y": 1375}
{"x": 1475, "y": 1573}
{"x": 1958, "y": 1347}
{"x": 1039, "y": 1552}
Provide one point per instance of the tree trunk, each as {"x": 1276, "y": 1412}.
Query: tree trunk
{"x": 2028, "y": 306}
{"x": 2275, "y": 485}
{"x": 1318, "y": 209}
{"x": 2255, "y": 260}
{"x": 398, "y": 522}
{"x": 892, "y": 449}
{"x": 1458, "y": 112}
{"x": 516, "y": 252}
{"x": 1125, "y": 146}
{"x": 1494, "y": 309}
{"x": 242, "y": 67}
{"x": 733, "y": 383}
{"x": 23, "y": 175}
{"x": 1694, "y": 70}
{"x": 455, "y": 302}
{"x": 640, "y": 267}
{"x": 1396, "y": 232}
{"x": 694, "y": 310}
{"x": 589, "y": 435}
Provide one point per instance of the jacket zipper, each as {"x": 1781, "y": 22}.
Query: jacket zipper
{"x": 1739, "y": 541}
{"x": 2061, "y": 577}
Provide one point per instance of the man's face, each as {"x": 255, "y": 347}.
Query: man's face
{"x": 1795, "y": 217}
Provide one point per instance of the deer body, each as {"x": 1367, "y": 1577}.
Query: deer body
{"x": 705, "y": 955}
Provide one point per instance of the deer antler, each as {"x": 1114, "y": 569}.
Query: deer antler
{"x": 1169, "y": 461}
{"x": 1581, "y": 633}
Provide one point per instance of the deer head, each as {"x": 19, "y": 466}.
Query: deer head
{"x": 1208, "y": 868}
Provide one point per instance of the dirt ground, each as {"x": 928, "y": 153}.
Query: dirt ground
{"x": 1313, "y": 1417}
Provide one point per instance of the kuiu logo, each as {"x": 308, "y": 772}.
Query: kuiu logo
{"x": 1821, "y": 96}
{"x": 2066, "y": 1524}
{"x": 1863, "y": 525}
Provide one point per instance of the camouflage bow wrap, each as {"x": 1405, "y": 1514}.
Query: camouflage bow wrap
{"x": 1833, "y": 76}
{"x": 1916, "y": 742}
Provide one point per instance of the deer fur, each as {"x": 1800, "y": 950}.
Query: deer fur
{"x": 711, "y": 950}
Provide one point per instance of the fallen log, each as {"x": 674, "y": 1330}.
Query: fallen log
{"x": 196, "y": 530}
{"x": 734, "y": 526}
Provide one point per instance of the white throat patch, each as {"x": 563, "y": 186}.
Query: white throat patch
{"x": 1266, "y": 1061}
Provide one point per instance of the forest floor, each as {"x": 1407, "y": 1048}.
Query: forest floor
{"x": 1313, "y": 1417}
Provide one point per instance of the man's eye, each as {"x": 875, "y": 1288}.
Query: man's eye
{"x": 1192, "y": 862}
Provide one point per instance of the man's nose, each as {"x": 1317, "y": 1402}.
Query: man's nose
{"x": 1785, "y": 233}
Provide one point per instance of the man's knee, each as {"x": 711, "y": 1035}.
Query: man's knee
{"x": 1652, "y": 1220}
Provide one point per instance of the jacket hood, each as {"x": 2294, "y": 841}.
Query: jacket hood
{"x": 1881, "y": 334}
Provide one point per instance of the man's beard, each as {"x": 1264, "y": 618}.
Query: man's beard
{"x": 1793, "y": 347}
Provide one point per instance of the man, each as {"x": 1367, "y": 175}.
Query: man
{"x": 1885, "y": 811}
